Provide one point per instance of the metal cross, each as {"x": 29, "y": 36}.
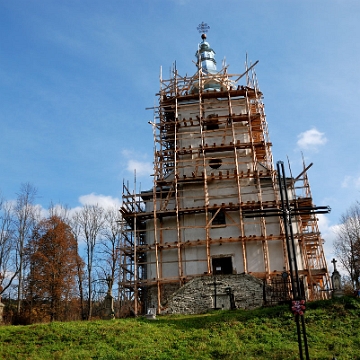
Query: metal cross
{"x": 334, "y": 262}
{"x": 286, "y": 211}
{"x": 203, "y": 28}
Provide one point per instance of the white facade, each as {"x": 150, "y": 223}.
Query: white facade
{"x": 213, "y": 164}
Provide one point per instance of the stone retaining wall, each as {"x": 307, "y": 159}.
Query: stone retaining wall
{"x": 198, "y": 295}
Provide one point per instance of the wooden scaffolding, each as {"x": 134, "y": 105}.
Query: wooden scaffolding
{"x": 212, "y": 160}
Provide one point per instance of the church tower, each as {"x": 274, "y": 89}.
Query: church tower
{"x": 212, "y": 165}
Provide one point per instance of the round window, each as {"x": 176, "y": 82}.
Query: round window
{"x": 215, "y": 163}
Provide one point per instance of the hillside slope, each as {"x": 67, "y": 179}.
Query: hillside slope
{"x": 333, "y": 328}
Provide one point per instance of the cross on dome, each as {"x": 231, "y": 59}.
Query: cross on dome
{"x": 205, "y": 54}
{"x": 203, "y": 28}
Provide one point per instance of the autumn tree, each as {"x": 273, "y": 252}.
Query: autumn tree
{"x": 90, "y": 220}
{"x": 347, "y": 244}
{"x": 64, "y": 214}
{"x": 53, "y": 258}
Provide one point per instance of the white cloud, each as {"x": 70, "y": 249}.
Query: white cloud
{"x": 104, "y": 201}
{"x": 311, "y": 139}
{"x": 357, "y": 183}
{"x": 101, "y": 200}
{"x": 329, "y": 233}
{"x": 138, "y": 162}
{"x": 351, "y": 182}
{"x": 41, "y": 211}
{"x": 346, "y": 182}
{"x": 142, "y": 167}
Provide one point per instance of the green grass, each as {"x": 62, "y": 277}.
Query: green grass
{"x": 333, "y": 328}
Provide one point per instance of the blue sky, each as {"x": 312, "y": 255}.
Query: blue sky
{"x": 76, "y": 77}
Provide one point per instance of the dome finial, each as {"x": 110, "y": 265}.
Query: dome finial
{"x": 206, "y": 63}
{"x": 205, "y": 54}
{"x": 203, "y": 28}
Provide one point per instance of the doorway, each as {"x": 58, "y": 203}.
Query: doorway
{"x": 222, "y": 265}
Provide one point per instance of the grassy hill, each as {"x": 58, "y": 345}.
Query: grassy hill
{"x": 333, "y": 328}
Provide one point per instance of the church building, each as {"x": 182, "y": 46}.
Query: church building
{"x": 191, "y": 239}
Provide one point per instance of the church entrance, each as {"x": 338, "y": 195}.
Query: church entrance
{"x": 222, "y": 265}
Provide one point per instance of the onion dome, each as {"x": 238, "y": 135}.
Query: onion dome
{"x": 206, "y": 57}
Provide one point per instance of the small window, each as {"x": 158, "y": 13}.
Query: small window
{"x": 222, "y": 265}
{"x": 215, "y": 163}
{"x": 211, "y": 122}
{"x": 219, "y": 219}
{"x": 212, "y": 126}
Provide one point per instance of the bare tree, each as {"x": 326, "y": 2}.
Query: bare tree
{"x": 76, "y": 229}
{"x": 25, "y": 214}
{"x": 109, "y": 245}
{"x": 8, "y": 268}
{"x": 60, "y": 211}
{"x": 90, "y": 220}
{"x": 347, "y": 244}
